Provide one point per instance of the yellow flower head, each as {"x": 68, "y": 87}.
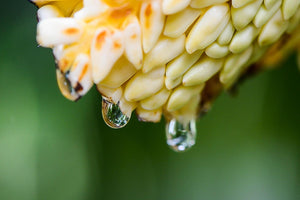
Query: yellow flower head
{"x": 166, "y": 57}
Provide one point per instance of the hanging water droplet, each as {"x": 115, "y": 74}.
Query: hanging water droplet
{"x": 65, "y": 86}
{"x": 112, "y": 114}
{"x": 181, "y": 137}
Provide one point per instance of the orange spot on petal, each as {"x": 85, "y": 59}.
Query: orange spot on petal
{"x": 120, "y": 13}
{"x": 134, "y": 36}
{"x": 85, "y": 68}
{"x": 148, "y": 13}
{"x": 117, "y": 45}
{"x": 100, "y": 40}
{"x": 148, "y": 10}
{"x": 71, "y": 31}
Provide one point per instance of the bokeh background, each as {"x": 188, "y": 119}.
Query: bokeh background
{"x": 248, "y": 146}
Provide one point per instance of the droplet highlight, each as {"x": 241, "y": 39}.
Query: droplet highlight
{"x": 112, "y": 114}
{"x": 181, "y": 137}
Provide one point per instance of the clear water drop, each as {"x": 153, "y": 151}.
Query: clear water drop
{"x": 112, "y": 114}
{"x": 65, "y": 86}
{"x": 181, "y": 137}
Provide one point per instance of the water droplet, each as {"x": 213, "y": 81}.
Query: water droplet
{"x": 112, "y": 114}
{"x": 181, "y": 137}
{"x": 65, "y": 86}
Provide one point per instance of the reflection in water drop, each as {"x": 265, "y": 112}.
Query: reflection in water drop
{"x": 65, "y": 86}
{"x": 181, "y": 137}
{"x": 112, "y": 114}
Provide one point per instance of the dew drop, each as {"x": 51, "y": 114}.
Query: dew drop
{"x": 112, "y": 114}
{"x": 65, "y": 86}
{"x": 181, "y": 137}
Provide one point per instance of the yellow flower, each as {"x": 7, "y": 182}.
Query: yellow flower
{"x": 163, "y": 56}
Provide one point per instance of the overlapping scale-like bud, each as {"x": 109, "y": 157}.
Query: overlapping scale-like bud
{"x": 163, "y": 56}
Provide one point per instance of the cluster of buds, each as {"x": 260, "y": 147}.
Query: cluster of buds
{"x": 163, "y": 57}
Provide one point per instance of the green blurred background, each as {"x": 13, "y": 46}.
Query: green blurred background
{"x": 248, "y": 146}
